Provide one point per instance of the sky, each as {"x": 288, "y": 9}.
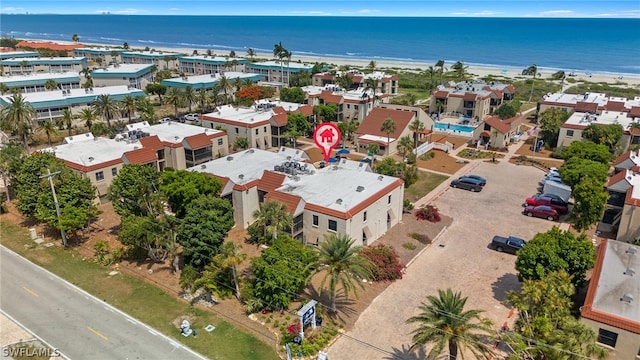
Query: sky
{"x": 437, "y": 8}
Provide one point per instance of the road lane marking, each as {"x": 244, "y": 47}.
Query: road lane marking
{"x": 97, "y": 333}
{"x": 131, "y": 321}
{"x": 30, "y": 291}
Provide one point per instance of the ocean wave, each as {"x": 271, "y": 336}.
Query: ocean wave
{"x": 108, "y": 38}
{"x": 146, "y": 41}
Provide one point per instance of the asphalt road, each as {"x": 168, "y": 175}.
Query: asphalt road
{"x": 80, "y": 325}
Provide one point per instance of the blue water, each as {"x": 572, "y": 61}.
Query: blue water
{"x": 585, "y": 45}
{"x": 453, "y": 127}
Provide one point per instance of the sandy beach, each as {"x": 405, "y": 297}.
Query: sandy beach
{"x": 632, "y": 80}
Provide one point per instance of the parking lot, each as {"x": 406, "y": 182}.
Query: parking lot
{"x": 460, "y": 259}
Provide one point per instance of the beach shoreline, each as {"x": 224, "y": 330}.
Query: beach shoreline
{"x": 623, "y": 79}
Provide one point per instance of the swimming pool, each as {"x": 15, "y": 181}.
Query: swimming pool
{"x": 453, "y": 127}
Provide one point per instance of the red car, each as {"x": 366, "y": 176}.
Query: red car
{"x": 542, "y": 211}
{"x": 539, "y": 199}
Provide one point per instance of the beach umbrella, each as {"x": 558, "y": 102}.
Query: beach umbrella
{"x": 333, "y": 160}
{"x": 343, "y": 152}
{"x": 366, "y": 160}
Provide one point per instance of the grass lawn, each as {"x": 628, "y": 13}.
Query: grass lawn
{"x": 426, "y": 182}
{"x": 145, "y": 302}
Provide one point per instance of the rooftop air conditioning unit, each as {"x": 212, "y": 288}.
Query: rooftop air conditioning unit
{"x": 627, "y": 298}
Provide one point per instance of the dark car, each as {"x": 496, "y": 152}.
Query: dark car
{"x": 510, "y": 244}
{"x": 482, "y": 180}
{"x": 539, "y": 199}
{"x": 542, "y": 211}
{"x": 467, "y": 183}
{"x": 556, "y": 198}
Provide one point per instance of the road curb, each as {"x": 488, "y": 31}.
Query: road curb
{"x": 426, "y": 247}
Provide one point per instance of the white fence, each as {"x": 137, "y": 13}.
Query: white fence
{"x": 426, "y": 147}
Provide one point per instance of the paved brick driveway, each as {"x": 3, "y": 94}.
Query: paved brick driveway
{"x": 459, "y": 258}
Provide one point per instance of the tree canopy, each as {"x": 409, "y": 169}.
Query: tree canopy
{"x": 181, "y": 187}
{"x": 556, "y": 250}
{"x": 282, "y": 271}
{"x": 293, "y": 94}
{"x": 550, "y": 122}
{"x": 607, "y": 135}
{"x": 587, "y": 150}
{"x": 206, "y": 223}
{"x": 505, "y": 111}
{"x": 325, "y": 112}
{"x": 132, "y": 190}
{"x": 590, "y": 202}
{"x": 576, "y": 169}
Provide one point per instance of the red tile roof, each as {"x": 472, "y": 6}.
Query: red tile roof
{"x": 510, "y": 120}
{"x": 270, "y": 181}
{"x": 330, "y": 98}
{"x": 635, "y": 111}
{"x": 589, "y": 312}
{"x": 441, "y": 94}
{"x": 616, "y": 178}
{"x": 280, "y": 119}
{"x": 614, "y": 106}
{"x": 93, "y": 167}
{"x": 629, "y": 199}
{"x": 573, "y": 126}
{"x": 582, "y": 106}
{"x": 290, "y": 201}
{"x": 47, "y": 45}
{"x": 372, "y": 123}
{"x": 152, "y": 142}
{"x": 307, "y": 110}
{"x": 470, "y": 96}
{"x": 497, "y": 124}
{"x": 141, "y": 156}
{"x": 197, "y": 141}
{"x": 634, "y": 131}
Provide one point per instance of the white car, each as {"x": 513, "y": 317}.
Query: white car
{"x": 191, "y": 117}
{"x": 164, "y": 120}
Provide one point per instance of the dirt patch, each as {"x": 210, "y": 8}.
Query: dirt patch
{"x": 441, "y": 162}
{"x": 526, "y": 149}
{"x": 540, "y": 163}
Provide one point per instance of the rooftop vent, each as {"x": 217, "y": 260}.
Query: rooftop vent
{"x": 91, "y": 158}
{"x": 627, "y": 298}
{"x": 380, "y": 178}
{"x": 631, "y": 250}
{"x": 630, "y": 271}
{"x": 229, "y": 158}
{"x": 203, "y": 166}
{"x": 251, "y": 151}
{"x": 339, "y": 201}
{"x": 241, "y": 176}
{"x": 360, "y": 189}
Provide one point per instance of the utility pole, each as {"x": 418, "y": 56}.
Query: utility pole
{"x": 49, "y": 175}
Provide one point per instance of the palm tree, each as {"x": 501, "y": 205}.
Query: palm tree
{"x": 3, "y": 88}
{"x": 75, "y": 38}
{"x": 230, "y": 255}
{"x": 440, "y": 66}
{"x": 190, "y": 96}
{"x": 88, "y": 116}
{"x": 533, "y": 71}
{"x": 106, "y": 107}
{"x": 128, "y": 106}
{"x": 444, "y": 323}
{"x": 460, "y": 69}
{"x": 405, "y": 145}
{"x": 372, "y": 66}
{"x": 431, "y": 72}
{"x": 67, "y": 118}
{"x": 50, "y": 84}
{"x": 273, "y": 216}
{"x": 416, "y": 126}
{"x": 388, "y": 127}
{"x": 204, "y": 100}
{"x": 251, "y": 53}
{"x": 145, "y": 109}
{"x": 372, "y": 84}
{"x": 373, "y": 148}
{"x": 48, "y": 127}
{"x": 225, "y": 86}
{"x": 23, "y": 64}
{"x": 174, "y": 97}
{"x": 17, "y": 117}
{"x": 281, "y": 53}
{"x": 343, "y": 265}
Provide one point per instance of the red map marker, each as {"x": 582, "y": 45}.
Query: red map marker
{"x": 327, "y": 137}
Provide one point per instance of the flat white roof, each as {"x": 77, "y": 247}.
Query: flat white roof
{"x": 86, "y": 150}
{"x": 19, "y": 54}
{"x": 210, "y": 58}
{"x": 572, "y": 99}
{"x": 243, "y": 115}
{"x": 339, "y": 186}
{"x": 197, "y": 79}
{"x": 172, "y": 131}
{"x": 606, "y": 118}
{"x": 615, "y": 281}
{"x": 153, "y": 53}
{"x": 122, "y": 69}
{"x": 249, "y": 165}
{"x": 36, "y": 97}
{"x": 38, "y": 76}
{"x": 376, "y": 138}
{"x": 274, "y": 64}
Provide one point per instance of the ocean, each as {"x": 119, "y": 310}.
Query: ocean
{"x": 569, "y": 44}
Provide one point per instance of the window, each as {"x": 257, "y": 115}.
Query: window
{"x": 237, "y": 131}
{"x": 333, "y": 225}
{"x": 389, "y": 199}
{"x": 100, "y": 176}
{"x": 220, "y": 142}
{"x": 114, "y": 171}
{"x": 569, "y": 133}
{"x": 607, "y": 337}
{"x": 364, "y": 217}
{"x": 265, "y": 129}
{"x": 315, "y": 220}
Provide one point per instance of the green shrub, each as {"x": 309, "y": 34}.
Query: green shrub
{"x": 409, "y": 246}
{"x": 427, "y": 156}
{"x": 422, "y": 238}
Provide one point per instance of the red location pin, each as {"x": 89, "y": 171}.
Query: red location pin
{"x": 327, "y": 137}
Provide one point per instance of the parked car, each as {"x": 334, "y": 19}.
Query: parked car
{"x": 541, "y": 211}
{"x": 191, "y": 117}
{"x": 179, "y": 119}
{"x": 557, "y": 204}
{"x": 482, "y": 180}
{"x": 554, "y": 178}
{"x": 510, "y": 244}
{"x": 555, "y": 197}
{"x": 164, "y": 120}
{"x": 553, "y": 171}
{"x": 467, "y": 183}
